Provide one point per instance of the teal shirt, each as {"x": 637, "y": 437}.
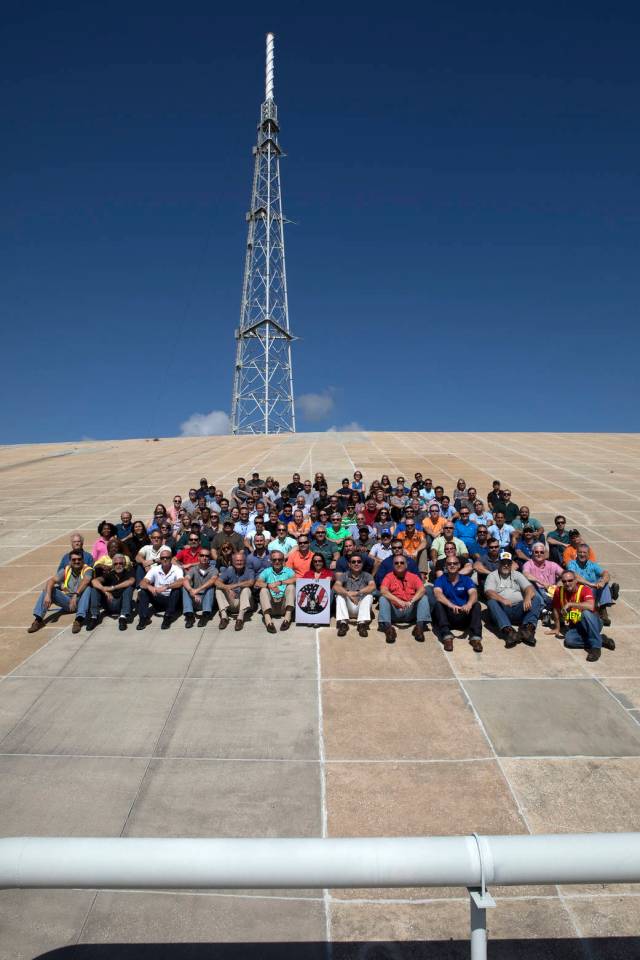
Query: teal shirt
{"x": 269, "y": 576}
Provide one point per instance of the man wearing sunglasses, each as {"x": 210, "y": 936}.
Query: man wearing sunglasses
{"x": 403, "y": 599}
{"x": 161, "y": 590}
{"x": 575, "y": 619}
{"x": 276, "y": 587}
{"x": 112, "y": 589}
{"x": 354, "y": 596}
{"x": 198, "y": 587}
{"x": 457, "y": 606}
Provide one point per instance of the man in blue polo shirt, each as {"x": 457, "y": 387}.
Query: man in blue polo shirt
{"x": 456, "y": 606}
{"x": 466, "y": 531}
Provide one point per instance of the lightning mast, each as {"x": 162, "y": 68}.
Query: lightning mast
{"x": 262, "y": 400}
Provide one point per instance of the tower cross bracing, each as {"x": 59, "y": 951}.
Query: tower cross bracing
{"x": 262, "y": 399}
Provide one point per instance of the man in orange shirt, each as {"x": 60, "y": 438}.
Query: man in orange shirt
{"x": 413, "y": 541}
{"x": 403, "y": 599}
{"x": 299, "y": 526}
{"x": 299, "y": 560}
{"x": 433, "y": 524}
{"x": 571, "y": 552}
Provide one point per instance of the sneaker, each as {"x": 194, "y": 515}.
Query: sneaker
{"x": 594, "y": 655}
{"x": 608, "y": 643}
{"x": 224, "y": 623}
{"x": 447, "y": 642}
{"x": 343, "y": 626}
{"x": 36, "y": 625}
{"x": 77, "y": 625}
{"x": 363, "y": 630}
{"x": 476, "y": 644}
{"x": 91, "y": 624}
{"x": 122, "y": 623}
{"x": 166, "y": 623}
{"x": 418, "y": 632}
{"x": 189, "y": 620}
{"x": 390, "y": 634}
{"x": 510, "y": 637}
{"x": 615, "y": 590}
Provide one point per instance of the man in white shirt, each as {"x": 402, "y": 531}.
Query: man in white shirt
{"x": 160, "y": 590}
{"x": 148, "y": 555}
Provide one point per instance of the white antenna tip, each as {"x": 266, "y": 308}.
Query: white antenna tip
{"x": 269, "y": 67}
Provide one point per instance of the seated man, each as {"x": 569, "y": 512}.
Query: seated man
{"x": 160, "y": 590}
{"x": 501, "y": 530}
{"x": 542, "y": 573}
{"x": 456, "y": 606}
{"x": 321, "y": 544}
{"x": 506, "y": 505}
{"x": 465, "y": 530}
{"x": 571, "y": 552}
{"x": 260, "y": 559}
{"x": 558, "y": 539}
{"x": 575, "y": 620}
{"x": 524, "y": 519}
{"x": 77, "y": 543}
{"x": 228, "y": 535}
{"x": 381, "y": 550}
{"x": 276, "y": 586}
{"x": 112, "y": 588}
{"x": 403, "y": 599}
{"x": 412, "y": 539}
{"x": 348, "y": 549}
{"x": 486, "y": 563}
{"x": 282, "y": 541}
{"x": 233, "y": 590}
{"x": 69, "y": 589}
{"x": 149, "y": 555}
{"x": 598, "y": 579}
{"x": 433, "y": 523}
{"x": 511, "y": 599}
{"x": 354, "y": 596}
{"x": 397, "y": 550}
{"x": 189, "y": 556}
{"x": 197, "y": 590}
{"x": 244, "y": 525}
{"x": 439, "y": 568}
{"x": 479, "y": 547}
{"x": 260, "y": 528}
{"x": 299, "y": 560}
{"x": 523, "y": 546}
{"x": 437, "y": 547}
{"x": 480, "y": 515}
{"x": 495, "y": 495}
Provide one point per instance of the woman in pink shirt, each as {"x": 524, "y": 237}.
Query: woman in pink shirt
{"x": 106, "y": 531}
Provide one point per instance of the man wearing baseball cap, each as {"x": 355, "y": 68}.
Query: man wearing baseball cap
{"x": 511, "y": 599}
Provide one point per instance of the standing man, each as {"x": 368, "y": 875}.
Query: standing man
{"x": 197, "y": 591}
{"x": 68, "y": 589}
{"x": 456, "y": 606}
{"x": 233, "y": 591}
{"x": 354, "y": 596}
{"x": 403, "y": 599}
{"x": 160, "y": 590}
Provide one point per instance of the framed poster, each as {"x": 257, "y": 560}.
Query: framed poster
{"x": 313, "y": 601}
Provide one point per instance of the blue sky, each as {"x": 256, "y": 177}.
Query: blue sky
{"x": 464, "y": 181}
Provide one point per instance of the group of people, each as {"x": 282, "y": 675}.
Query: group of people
{"x": 423, "y": 556}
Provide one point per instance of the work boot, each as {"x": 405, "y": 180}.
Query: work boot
{"x": 189, "y": 620}
{"x": 36, "y": 625}
{"x": 594, "y": 654}
{"x": 343, "y": 626}
{"x": 476, "y": 644}
{"x": 363, "y": 630}
{"x": 390, "y": 633}
{"x": 608, "y": 642}
{"x": 447, "y": 642}
{"x": 92, "y": 623}
{"x": 510, "y": 637}
{"x": 77, "y": 625}
{"x": 418, "y": 632}
{"x": 527, "y": 634}
{"x": 166, "y": 622}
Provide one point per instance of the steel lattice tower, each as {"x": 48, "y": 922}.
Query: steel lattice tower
{"x": 262, "y": 399}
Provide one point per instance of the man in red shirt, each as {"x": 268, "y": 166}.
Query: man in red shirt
{"x": 575, "y": 619}
{"x": 189, "y": 555}
{"x": 403, "y": 599}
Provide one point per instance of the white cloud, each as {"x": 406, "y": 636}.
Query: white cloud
{"x": 352, "y": 427}
{"x": 206, "y": 424}
{"x": 315, "y": 406}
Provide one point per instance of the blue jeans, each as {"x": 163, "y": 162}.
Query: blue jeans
{"x": 515, "y": 614}
{"x": 120, "y": 602}
{"x": 586, "y": 634}
{"x": 63, "y": 600}
{"x": 545, "y": 598}
{"x": 417, "y": 612}
{"x": 205, "y": 600}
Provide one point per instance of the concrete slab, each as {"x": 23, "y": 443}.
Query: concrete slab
{"x": 95, "y": 717}
{"x": 107, "y": 652}
{"x": 67, "y": 796}
{"x": 34, "y": 922}
{"x": 353, "y": 656}
{"x": 59, "y": 646}
{"x": 525, "y": 718}
{"x": 16, "y": 697}
{"x": 254, "y": 653}
{"x": 396, "y": 719}
{"x": 548, "y": 658}
{"x": 626, "y": 690}
{"x": 257, "y": 719}
{"x": 168, "y": 919}
{"x": 227, "y": 798}
{"x": 16, "y": 646}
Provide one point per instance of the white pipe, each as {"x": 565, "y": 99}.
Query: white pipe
{"x": 151, "y": 863}
{"x": 268, "y": 90}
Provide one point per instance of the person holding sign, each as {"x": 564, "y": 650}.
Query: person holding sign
{"x": 354, "y": 596}
{"x": 277, "y": 592}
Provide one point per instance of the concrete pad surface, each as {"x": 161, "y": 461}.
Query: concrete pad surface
{"x": 34, "y": 922}
{"x": 626, "y": 690}
{"x": 396, "y": 719}
{"x": 108, "y": 652}
{"x": 268, "y": 719}
{"x": 547, "y": 659}
{"x": 227, "y": 798}
{"x": 168, "y": 918}
{"x": 67, "y": 796}
{"x": 16, "y": 646}
{"x": 525, "y": 718}
{"x": 16, "y": 697}
{"x": 254, "y": 653}
{"x": 95, "y": 717}
{"x": 419, "y": 799}
{"x": 59, "y": 646}
{"x": 353, "y": 656}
